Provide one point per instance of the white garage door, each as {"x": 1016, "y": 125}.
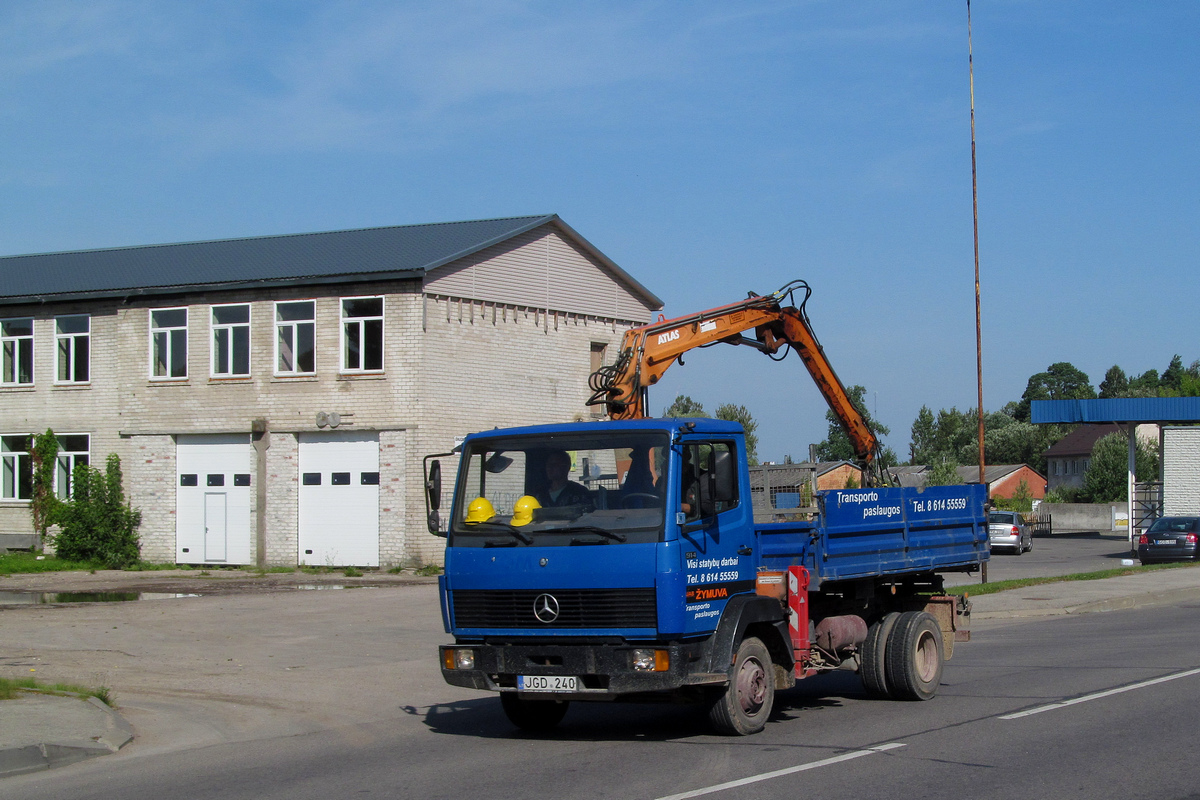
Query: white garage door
{"x": 339, "y": 499}
{"x": 212, "y": 499}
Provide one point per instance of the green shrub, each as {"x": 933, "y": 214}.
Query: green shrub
{"x": 43, "y": 504}
{"x": 96, "y": 524}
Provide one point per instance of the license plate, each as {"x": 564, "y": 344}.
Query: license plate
{"x": 1164, "y": 541}
{"x": 547, "y": 683}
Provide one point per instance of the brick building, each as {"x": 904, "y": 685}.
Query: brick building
{"x": 271, "y": 398}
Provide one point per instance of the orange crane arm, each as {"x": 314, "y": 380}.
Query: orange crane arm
{"x": 649, "y": 350}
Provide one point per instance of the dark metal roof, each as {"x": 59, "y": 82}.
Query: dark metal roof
{"x": 1081, "y": 441}
{"x": 1126, "y": 409}
{"x": 401, "y": 251}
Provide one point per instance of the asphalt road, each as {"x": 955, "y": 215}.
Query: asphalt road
{"x": 355, "y": 707}
{"x": 1060, "y": 554}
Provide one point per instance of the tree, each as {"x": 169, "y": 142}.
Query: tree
{"x": 1172, "y": 380}
{"x": 923, "y": 431}
{"x": 943, "y": 473}
{"x": 1106, "y": 479}
{"x": 837, "y": 446}
{"x": 684, "y": 406}
{"x": 96, "y": 524}
{"x": 43, "y": 505}
{"x": 1145, "y": 385}
{"x": 741, "y": 414}
{"x": 1060, "y": 381}
{"x": 1115, "y": 384}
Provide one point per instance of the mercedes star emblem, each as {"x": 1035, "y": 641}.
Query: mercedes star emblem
{"x": 545, "y": 608}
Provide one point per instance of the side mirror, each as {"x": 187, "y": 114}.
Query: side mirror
{"x": 724, "y": 477}
{"x": 433, "y": 495}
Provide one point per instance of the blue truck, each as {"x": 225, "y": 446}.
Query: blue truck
{"x": 622, "y": 560}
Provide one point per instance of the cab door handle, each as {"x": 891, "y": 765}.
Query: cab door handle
{"x": 744, "y": 550}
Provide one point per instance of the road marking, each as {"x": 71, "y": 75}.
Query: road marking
{"x": 1099, "y": 695}
{"x": 766, "y": 776}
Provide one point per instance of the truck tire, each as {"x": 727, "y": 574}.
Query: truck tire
{"x": 914, "y": 657}
{"x": 746, "y": 703}
{"x": 873, "y": 668}
{"x": 532, "y": 715}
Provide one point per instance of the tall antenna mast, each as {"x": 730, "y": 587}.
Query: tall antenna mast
{"x": 975, "y": 215}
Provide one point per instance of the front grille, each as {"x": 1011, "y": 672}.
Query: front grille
{"x": 577, "y": 608}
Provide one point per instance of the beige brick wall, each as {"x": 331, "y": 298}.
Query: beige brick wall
{"x": 1181, "y": 471}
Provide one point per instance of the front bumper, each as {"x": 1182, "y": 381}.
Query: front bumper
{"x": 604, "y": 671}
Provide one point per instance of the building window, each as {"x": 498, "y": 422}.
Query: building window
{"x": 72, "y": 336}
{"x": 168, "y": 343}
{"x": 231, "y": 341}
{"x": 362, "y": 334}
{"x": 16, "y": 473}
{"x": 16, "y": 339}
{"x": 295, "y": 338}
{"x": 73, "y": 451}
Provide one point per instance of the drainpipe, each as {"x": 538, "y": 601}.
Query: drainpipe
{"x": 260, "y": 438}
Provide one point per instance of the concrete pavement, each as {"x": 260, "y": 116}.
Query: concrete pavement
{"x": 39, "y": 731}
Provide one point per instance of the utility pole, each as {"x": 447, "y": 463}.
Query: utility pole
{"x": 975, "y": 217}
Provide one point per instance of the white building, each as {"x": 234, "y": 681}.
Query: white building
{"x": 271, "y": 398}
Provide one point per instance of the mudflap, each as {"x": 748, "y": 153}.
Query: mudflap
{"x": 954, "y": 618}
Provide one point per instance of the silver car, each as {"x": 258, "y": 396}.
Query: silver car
{"x": 1007, "y": 530}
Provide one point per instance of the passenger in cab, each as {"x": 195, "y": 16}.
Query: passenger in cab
{"x": 559, "y": 491}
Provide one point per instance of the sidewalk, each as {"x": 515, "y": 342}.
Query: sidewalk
{"x": 41, "y": 731}
{"x": 1080, "y": 597}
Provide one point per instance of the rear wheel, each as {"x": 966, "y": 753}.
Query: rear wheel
{"x": 532, "y": 715}
{"x": 873, "y": 668}
{"x": 914, "y": 656}
{"x": 746, "y": 703}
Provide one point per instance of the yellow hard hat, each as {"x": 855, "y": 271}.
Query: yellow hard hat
{"x": 523, "y": 509}
{"x": 480, "y": 510}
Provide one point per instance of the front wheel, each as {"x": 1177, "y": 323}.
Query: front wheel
{"x": 914, "y": 656}
{"x": 532, "y": 715}
{"x": 746, "y": 704}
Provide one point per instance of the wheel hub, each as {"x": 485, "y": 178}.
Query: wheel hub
{"x": 751, "y": 685}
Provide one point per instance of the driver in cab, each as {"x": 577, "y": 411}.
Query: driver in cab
{"x": 559, "y": 491}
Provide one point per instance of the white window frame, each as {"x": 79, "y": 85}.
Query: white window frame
{"x": 13, "y": 355}
{"x": 170, "y": 332}
{"x": 13, "y": 464}
{"x": 230, "y": 330}
{"x": 294, "y": 326}
{"x": 67, "y": 347}
{"x": 64, "y": 469}
{"x": 358, "y": 324}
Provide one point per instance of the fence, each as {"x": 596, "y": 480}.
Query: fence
{"x": 783, "y": 492}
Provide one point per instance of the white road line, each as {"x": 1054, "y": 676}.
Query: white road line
{"x": 1098, "y": 695}
{"x": 766, "y": 776}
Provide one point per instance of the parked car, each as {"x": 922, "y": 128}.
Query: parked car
{"x": 1169, "y": 539}
{"x": 1007, "y": 530}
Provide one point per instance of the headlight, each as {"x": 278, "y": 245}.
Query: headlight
{"x": 458, "y": 659}
{"x": 647, "y": 660}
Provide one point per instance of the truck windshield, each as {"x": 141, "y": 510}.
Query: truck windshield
{"x": 561, "y": 490}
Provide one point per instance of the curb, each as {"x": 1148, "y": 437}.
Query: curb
{"x": 48, "y": 755}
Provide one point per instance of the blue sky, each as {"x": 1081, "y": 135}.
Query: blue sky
{"x": 709, "y": 148}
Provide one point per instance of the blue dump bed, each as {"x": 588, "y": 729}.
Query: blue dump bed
{"x": 862, "y": 533}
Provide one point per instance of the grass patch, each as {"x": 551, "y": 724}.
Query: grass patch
{"x": 21, "y": 562}
{"x": 1021, "y": 583}
{"x": 428, "y": 570}
{"x": 12, "y": 687}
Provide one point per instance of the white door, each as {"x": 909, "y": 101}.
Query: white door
{"x": 214, "y": 526}
{"x": 212, "y": 499}
{"x": 339, "y": 499}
